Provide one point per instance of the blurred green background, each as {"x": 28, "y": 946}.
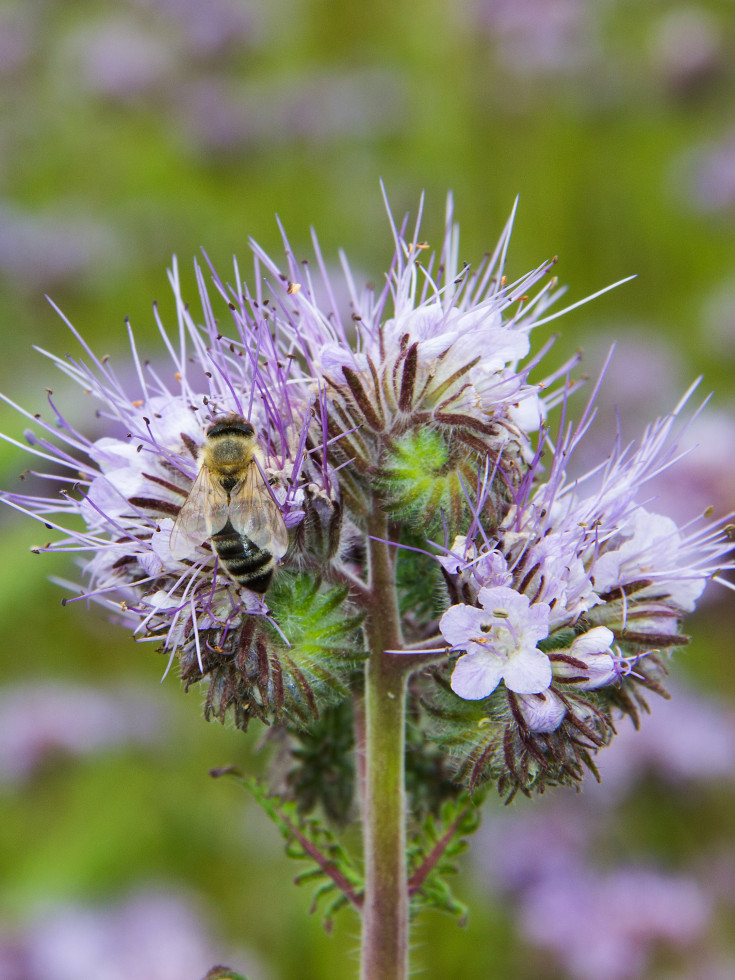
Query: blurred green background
{"x": 133, "y": 130}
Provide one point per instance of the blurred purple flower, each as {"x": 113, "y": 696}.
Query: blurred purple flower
{"x": 120, "y": 58}
{"x": 41, "y": 721}
{"x": 711, "y": 176}
{"x": 218, "y": 114}
{"x": 605, "y": 926}
{"x": 209, "y": 28}
{"x": 605, "y": 923}
{"x": 539, "y": 37}
{"x": 17, "y": 30}
{"x": 38, "y": 251}
{"x": 686, "y": 49}
{"x": 690, "y": 738}
{"x": 152, "y": 935}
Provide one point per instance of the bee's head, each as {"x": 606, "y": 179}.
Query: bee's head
{"x": 230, "y": 424}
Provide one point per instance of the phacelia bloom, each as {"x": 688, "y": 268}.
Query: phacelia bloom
{"x": 228, "y": 510}
{"x": 130, "y": 485}
{"x": 605, "y": 582}
{"x": 500, "y": 640}
{"x": 326, "y": 390}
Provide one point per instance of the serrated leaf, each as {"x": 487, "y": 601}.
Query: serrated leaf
{"x": 307, "y": 839}
{"x": 323, "y": 769}
{"x": 433, "y": 852}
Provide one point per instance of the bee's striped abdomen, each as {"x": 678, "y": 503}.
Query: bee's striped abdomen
{"x": 247, "y": 564}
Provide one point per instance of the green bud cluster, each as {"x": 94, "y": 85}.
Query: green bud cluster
{"x": 286, "y": 673}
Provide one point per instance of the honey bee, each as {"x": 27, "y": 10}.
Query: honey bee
{"x": 231, "y": 506}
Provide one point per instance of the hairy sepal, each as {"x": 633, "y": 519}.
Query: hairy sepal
{"x": 489, "y": 741}
{"x": 287, "y": 672}
{"x": 339, "y": 882}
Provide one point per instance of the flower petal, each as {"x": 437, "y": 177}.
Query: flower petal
{"x": 597, "y": 640}
{"x": 542, "y": 712}
{"x": 461, "y": 623}
{"x": 528, "y": 672}
{"x": 476, "y": 675}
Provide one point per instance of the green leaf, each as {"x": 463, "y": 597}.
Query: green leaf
{"x": 430, "y": 778}
{"x": 309, "y": 840}
{"x": 433, "y": 852}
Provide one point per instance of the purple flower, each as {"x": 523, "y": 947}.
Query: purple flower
{"x": 412, "y": 404}
{"x": 153, "y": 933}
{"x": 41, "y": 721}
{"x": 500, "y": 640}
{"x": 602, "y": 926}
{"x": 121, "y": 59}
{"x": 41, "y": 250}
{"x": 129, "y": 486}
{"x": 589, "y": 654}
{"x": 686, "y": 50}
{"x": 684, "y": 741}
{"x": 711, "y": 176}
{"x": 541, "y": 712}
{"x": 614, "y": 580}
{"x": 539, "y": 39}
{"x": 323, "y": 390}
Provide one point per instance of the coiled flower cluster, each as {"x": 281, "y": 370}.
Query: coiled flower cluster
{"x": 534, "y": 606}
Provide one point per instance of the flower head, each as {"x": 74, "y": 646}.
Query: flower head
{"x": 130, "y": 485}
{"x": 227, "y": 512}
{"x": 613, "y": 580}
{"x": 328, "y": 396}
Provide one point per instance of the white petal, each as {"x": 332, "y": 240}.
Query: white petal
{"x": 429, "y": 349}
{"x": 333, "y": 357}
{"x": 150, "y": 563}
{"x": 542, "y": 712}
{"x": 528, "y": 414}
{"x": 111, "y": 453}
{"x": 606, "y": 571}
{"x": 601, "y": 670}
{"x": 461, "y": 623}
{"x": 596, "y": 640}
{"x": 476, "y": 675}
{"x": 528, "y": 672}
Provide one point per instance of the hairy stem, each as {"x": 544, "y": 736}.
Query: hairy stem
{"x": 385, "y": 909}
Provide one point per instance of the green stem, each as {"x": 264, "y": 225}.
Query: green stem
{"x": 385, "y": 909}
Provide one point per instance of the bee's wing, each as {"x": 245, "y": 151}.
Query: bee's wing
{"x": 255, "y": 514}
{"x": 203, "y": 513}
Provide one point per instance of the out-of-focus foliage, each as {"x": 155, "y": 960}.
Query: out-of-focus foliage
{"x": 134, "y": 130}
